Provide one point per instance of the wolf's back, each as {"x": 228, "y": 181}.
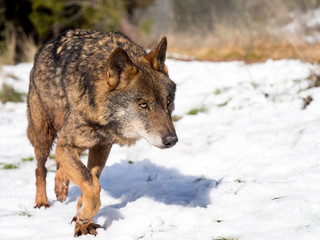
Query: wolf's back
{"x": 80, "y": 56}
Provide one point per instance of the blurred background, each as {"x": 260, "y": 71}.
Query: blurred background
{"x": 214, "y": 30}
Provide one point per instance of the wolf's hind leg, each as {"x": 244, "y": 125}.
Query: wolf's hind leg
{"x": 41, "y": 173}
{"x": 41, "y": 135}
{"x": 42, "y": 150}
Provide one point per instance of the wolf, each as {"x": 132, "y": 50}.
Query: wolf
{"x": 89, "y": 91}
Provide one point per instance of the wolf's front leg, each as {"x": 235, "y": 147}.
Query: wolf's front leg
{"x": 98, "y": 156}
{"x": 61, "y": 184}
{"x": 69, "y": 161}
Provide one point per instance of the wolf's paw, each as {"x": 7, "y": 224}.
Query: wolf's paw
{"x": 61, "y": 187}
{"x": 82, "y": 228}
{"x": 42, "y": 204}
{"x": 61, "y": 192}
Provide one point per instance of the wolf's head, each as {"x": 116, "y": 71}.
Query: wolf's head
{"x": 143, "y": 96}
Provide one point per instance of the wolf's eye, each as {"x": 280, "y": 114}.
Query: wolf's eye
{"x": 168, "y": 102}
{"x": 144, "y": 105}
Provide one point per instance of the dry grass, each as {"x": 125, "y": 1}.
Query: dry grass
{"x": 8, "y": 51}
{"x": 7, "y": 54}
{"x": 254, "y": 31}
{"x": 245, "y": 47}
{"x": 29, "y": 50}
{"x": 250, "y": 50}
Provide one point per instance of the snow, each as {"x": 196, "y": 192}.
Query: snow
{"x": 247, "y": 167}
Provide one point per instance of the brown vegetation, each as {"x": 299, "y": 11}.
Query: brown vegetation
{"x": 259, "y": 51}
{"x": 212, "y": 30}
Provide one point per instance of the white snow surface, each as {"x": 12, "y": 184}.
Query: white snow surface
{"x": 246, "y": 168}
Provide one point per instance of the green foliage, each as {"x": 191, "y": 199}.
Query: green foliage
{"x": 9, "y": 166}
{"x": 240, "y": 181}
{"x": 50, "y": 17}
{"x": 9, "y": 94}
{"x": 223, "y": 104}
{"x": 195, "y": 111}
{"x": 254, "y": 84}
{"x": 27, "y": 159}
{"x": 219, "y": 91}
{"x": 235, "y": 192}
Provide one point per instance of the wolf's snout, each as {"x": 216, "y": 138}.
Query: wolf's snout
{"x": 169, "y": 140}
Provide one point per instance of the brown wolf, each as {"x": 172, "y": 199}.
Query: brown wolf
{"x": 95, "y": 90}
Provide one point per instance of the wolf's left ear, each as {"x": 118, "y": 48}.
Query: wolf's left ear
{"x": 157, "y": 56}
{"x": 120, "y": 69}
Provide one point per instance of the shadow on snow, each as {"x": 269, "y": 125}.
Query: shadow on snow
{"x": 129, "y": 182}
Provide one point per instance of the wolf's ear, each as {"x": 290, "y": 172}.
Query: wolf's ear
{"x": 157, "y": 56}
{"x": 120, "y": 69}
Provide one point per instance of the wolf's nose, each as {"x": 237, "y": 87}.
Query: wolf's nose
{"x": 169, "y": 140}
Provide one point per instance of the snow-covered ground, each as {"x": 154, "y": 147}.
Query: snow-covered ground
{"x": 247, "y": 166}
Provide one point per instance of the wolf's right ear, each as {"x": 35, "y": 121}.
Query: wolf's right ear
{"x": 120, "y": 69}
